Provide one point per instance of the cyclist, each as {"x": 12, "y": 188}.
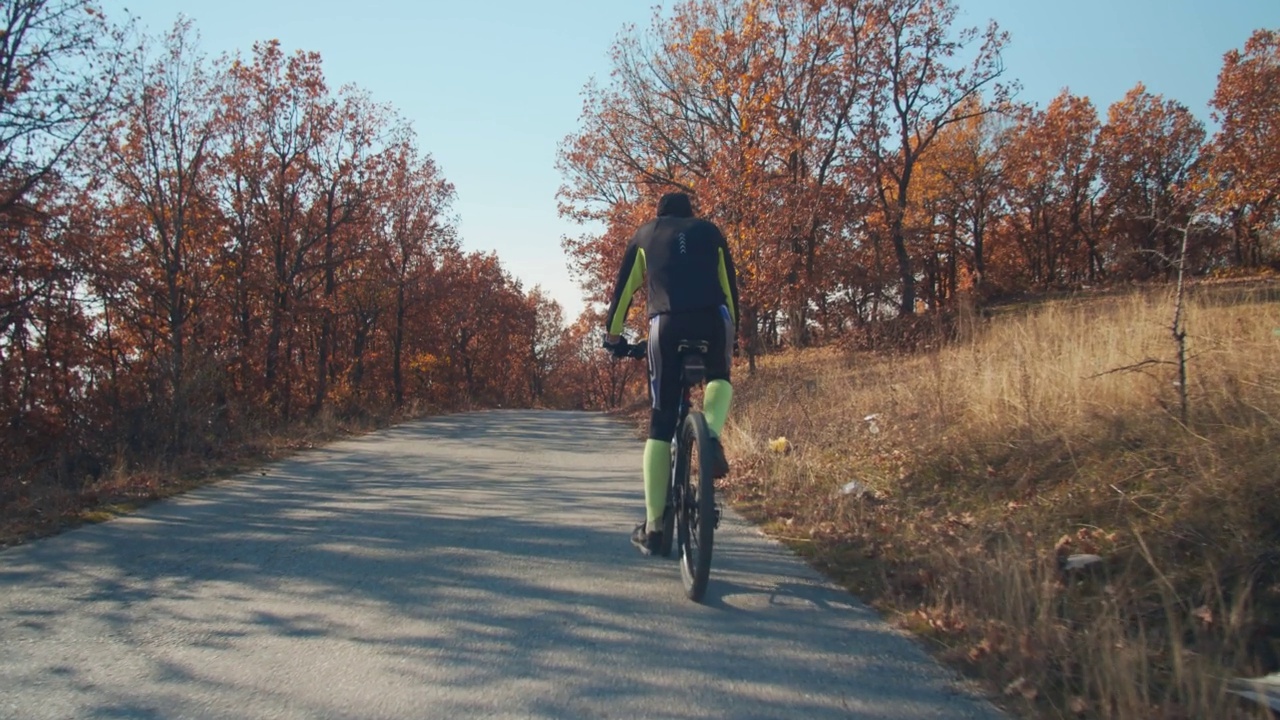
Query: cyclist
{"x": 692, "y": 294}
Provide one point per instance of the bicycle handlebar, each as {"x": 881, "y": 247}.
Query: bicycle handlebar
{"x": 637, "y": 350}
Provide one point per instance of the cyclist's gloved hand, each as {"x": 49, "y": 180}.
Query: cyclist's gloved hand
{"x": 617, "y": 347}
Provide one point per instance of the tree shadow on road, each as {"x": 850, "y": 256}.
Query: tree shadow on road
{"x": 493, "y": 576}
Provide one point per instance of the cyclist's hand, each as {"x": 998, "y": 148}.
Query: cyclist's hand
{"x": 616, "y": 346}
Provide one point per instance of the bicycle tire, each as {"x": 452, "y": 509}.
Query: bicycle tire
{"x": 696, "y": 508}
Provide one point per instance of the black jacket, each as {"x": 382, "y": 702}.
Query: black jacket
{"x": 686, "y": 261}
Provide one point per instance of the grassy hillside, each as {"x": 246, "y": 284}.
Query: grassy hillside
{"x": 951, "y": 488}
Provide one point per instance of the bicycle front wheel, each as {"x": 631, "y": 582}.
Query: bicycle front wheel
{"x": 696, "y": 513}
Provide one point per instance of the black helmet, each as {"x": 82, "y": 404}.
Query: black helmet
{"x": 675, "y": 204}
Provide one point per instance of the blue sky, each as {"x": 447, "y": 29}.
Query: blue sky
{"x": 492, "y": 86}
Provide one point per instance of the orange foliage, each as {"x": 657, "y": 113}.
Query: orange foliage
{"x": 251, "y": 250}
{"x": 865, "y": 160}
{"x": 1244, "y": 165}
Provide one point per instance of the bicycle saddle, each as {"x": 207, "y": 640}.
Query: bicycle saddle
{"x": 692, "y": 353}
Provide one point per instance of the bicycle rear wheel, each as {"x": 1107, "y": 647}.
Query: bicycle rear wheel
{"x": 696, "y": 507}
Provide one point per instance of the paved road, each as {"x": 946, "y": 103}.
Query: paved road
{"x": 468, "y": 566}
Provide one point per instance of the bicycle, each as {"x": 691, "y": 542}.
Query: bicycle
{"x": 691, "y": 514}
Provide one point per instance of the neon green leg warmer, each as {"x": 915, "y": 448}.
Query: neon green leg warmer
{"x": 715, "y": 404}
{"x": 657, "y": 473}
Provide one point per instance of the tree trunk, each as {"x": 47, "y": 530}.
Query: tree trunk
{"x": 397, "y": 348}
{"x": 905, "y": 274}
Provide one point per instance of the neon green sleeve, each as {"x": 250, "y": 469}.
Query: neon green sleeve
{"x": 728, "y": 286}
{"x": 630, "y": 276}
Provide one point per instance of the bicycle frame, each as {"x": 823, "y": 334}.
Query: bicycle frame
{"x": 692, "y": 539}
{"x": 686, "y": 397}
{"x": 686, "y": 391}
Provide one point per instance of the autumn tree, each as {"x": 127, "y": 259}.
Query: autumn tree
{"x": 415, "y": 237}
{"x": 239, "y": 190}
{"x": 346, "y": 159}
{"x": 920, "y": 89}
{"x": 789, "y": 121}
{"x": 155, "y": 162}
{"x": 1053, "y": 186}
{"x": 282, "y": 114}
{"x": 233, "y": 247}
{"x": 547, "y": 351}
{"x": 1245, "y": 152}
{"x": 483, "y": 334}
{"x": 45, "y": 348}
{"x": 962, "y": 196}
{"x": 595, "y": 380}
{"x": 60, "y": 61}
{"x": 746, "y": 105}
{"x": 1146, "y": 155}
{"x": 59, "y": 64}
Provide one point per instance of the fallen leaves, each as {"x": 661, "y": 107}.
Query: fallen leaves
{"x": 944, "y": 621}
{"x": 1021, "y": 686}
{"x": 1204, "y": 614}
{"x": 980, "y": 651}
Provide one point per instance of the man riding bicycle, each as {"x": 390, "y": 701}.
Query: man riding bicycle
{"x": 692, "y": 295}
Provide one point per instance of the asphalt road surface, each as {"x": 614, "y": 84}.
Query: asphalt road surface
{"x": 471, "y": 566}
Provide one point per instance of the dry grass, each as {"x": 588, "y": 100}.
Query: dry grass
{"x": 1045, "y": 432}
